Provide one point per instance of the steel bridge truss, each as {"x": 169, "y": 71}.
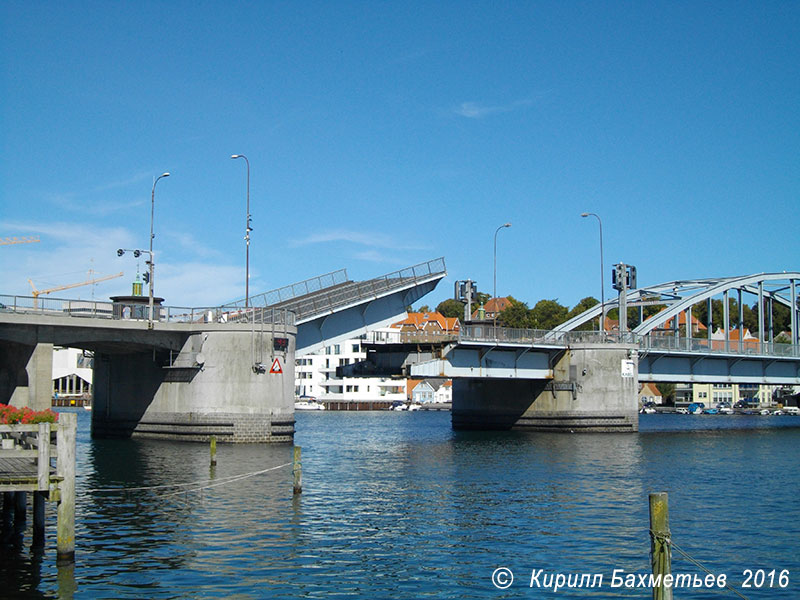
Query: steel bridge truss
{"x": 680, "y": 296}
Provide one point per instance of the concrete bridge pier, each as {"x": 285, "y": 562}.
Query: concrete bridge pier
{"x": 26, "y": 374}
{"x": 235, "y": 385}
{"x": 594, "y": 387}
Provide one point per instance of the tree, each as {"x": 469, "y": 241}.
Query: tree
{"x": 582, "y": 307}
{"x": 516, "y": 315}
{"x": 452, "y": 309}
{"x": 667, "y": 391}
{"x": 547, "y": 314}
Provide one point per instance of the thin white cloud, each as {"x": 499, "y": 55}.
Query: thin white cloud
{"x": 363, "y": 238}
{"x": 476, "y": 110}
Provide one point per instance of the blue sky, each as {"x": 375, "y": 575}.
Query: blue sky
{"x": 381, "y": 135}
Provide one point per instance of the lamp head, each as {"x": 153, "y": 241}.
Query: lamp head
{"x": 584, "y": 214}
{"x": 507, "y": 225}
{"x": 235, "y": 155}
{"x": 165, "y": 174}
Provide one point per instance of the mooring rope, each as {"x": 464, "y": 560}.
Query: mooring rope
{"x": 697, "y": 564}
{"x": 229, "y": 480}
{"x": 216, "y": 482}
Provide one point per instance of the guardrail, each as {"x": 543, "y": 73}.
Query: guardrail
{"x": 351, "y": 292}
{"x": 490, "y": 334}
{"x": 302, "y": 288}
{"x": 61, "y": 307}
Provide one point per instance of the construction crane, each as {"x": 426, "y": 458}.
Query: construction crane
{"x": 18, "y": 240}
{"x": 36, "y": 293}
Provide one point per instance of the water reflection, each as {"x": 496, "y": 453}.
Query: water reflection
{"x": 399, "y": 505}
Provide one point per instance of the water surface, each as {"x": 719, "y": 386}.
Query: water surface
{"x": 398, "y": 505}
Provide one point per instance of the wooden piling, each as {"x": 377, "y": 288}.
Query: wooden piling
{"x": 297, "y": 471}
{"x": 8, "y": 516}
{"x": 65, "y": 545}
{"x": 20, "y": 508}
{"x": 660, "y": 543}
{"x": 38, "y": 519}
{"x": 43, "y": 484}
{"x": 213, "y": 451}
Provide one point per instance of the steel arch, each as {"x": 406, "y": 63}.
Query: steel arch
{"x": 673, "y": 294}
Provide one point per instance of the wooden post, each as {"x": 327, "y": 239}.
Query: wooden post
{"x": 8, "y": 516}
{"x": 213, "y": 451}
{"x": 65, "y": 545}
{"x": 20, "y": 508}
{"x": 43, "y": 485}
{"x": 297, "y": 471}
{"x": 38, "y": 519}
{"x": 660, "y": 548}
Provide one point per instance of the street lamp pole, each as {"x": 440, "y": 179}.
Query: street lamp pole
{"x": 494, "y": 290}
{"x": 152, "y": 258}
{"x": 247, "y": 230}
{"x": 602, "y": 274}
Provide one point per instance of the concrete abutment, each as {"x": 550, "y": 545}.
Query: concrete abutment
{"x": 232, "y": 384}
{"x": 594, "y": 388}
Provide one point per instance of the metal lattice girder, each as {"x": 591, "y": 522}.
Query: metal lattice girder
{"x": 681, "y": 295}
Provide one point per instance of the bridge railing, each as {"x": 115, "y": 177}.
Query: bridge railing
{"x": 488, "y": 333}
{"x": 716, "y": 346}
{"x": 355, "y": 291}
{"x": 60, "y": 307}
{"x": 295, "y": 290}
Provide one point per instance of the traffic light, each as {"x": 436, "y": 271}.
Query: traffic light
{"x": 137, "y": 253}
{"x": 631, "y": 278}
{"x": 120, "y": 252}
{"x": 618, "y": 276}
{"x": 146, "y": 277}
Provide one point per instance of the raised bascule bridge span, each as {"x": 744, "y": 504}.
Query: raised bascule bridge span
{"x": 191, "y": 373}
{"x": 569, "y": 379}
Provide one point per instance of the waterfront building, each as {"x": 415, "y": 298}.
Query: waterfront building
{"x": 650, "y": 393}
{"x": 491, "y": 310}
{"x": 429, "y": 326}
{"x": 315, "y": 375}
{"x": 72, "y": 374}
{"x": 429, "y": 391}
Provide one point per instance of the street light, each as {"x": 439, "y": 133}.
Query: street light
{"x": 247, "y": 230}
{"x": 602, "y": 283}
{"x": 494, "y": 291}
{"x": 152, "y": 258}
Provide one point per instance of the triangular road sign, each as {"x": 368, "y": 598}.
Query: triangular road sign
{"x": 276, "y": 367}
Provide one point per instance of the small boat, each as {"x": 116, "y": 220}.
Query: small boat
{"x": 308, "y": 403}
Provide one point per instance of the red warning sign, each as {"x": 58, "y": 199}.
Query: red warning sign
{"x": 276, "y": 367}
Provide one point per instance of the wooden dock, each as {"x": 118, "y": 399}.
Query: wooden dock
{"x": 31, "y": 462}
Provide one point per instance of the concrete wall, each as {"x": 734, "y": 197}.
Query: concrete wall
{"x": 594, "y": 388}
{"x": 26, "y": 374}
{"x": 210, "y": 388}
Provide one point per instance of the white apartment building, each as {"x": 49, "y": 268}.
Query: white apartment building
{"x": 72, "y": 372}
{"x": 315, "y": 375}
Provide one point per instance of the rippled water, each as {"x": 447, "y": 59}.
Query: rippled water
{"x": 397, "y": 505}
